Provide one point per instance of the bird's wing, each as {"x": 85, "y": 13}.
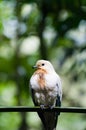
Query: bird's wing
{"x": 58, "y": 101}
{"x": 33, "y": 95}
{"x": 59, "y": 95}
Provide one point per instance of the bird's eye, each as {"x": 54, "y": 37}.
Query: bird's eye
{"x": 43, "y": 64}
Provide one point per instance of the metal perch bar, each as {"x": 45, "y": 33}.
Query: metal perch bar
{"x": 36, "y": 109}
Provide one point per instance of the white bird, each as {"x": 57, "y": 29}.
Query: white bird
{"x": 46, "y": 91}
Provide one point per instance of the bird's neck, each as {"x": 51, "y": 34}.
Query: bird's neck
{"x": 41, "y": 78}
{"x": 40, "y": 71}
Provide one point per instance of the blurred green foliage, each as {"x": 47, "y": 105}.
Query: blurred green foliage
{"x": 47, "y": 29}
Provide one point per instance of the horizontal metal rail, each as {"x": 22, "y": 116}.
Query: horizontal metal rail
{"x": 36, "y": 109}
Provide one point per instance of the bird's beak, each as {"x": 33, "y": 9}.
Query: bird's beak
{"x": 34, "y": 67}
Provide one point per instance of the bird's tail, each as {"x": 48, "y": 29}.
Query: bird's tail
{"x": 50, "y": 128}
{"x": 49, "y": 120}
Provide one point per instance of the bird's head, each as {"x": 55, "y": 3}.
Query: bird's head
{"x": 44, "y": 65}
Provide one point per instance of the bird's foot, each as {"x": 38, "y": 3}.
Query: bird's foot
{"x": 51, "y": 107}
{"x": 42, "y": 107}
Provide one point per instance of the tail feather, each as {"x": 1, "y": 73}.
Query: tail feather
{"x": 49, "y": 120}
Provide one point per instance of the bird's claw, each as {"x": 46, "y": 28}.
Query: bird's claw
{"x": 42, "y": 107}
{"x": 51, "y": 107}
